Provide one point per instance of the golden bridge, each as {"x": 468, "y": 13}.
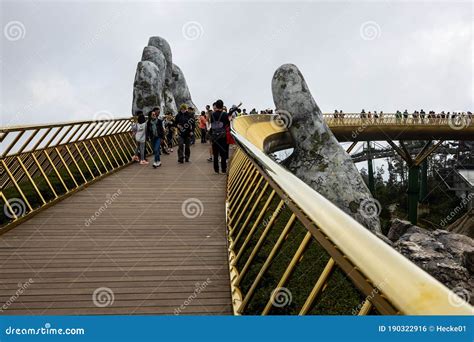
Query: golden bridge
{"x": 83, "y": 231}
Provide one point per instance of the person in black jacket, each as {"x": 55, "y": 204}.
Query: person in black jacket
{"x": 155, "y": 132}
{"x": 219, "y": 123}
{"x": 186, "y": 125}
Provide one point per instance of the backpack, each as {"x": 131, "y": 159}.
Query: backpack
{"x": 218, "y": 130}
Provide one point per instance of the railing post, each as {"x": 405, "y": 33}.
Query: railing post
{"x": 424, "y": 181}
{"x": 413, "y": 192}
{"x": 370, "y": 167}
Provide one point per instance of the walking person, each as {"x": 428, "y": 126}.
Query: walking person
{"x": 139, "y": 130}
{"x": 185, "y": 125}
{"x": 169, "y": 127}
{"x": 203, "y": 126}
{"x": 208, "y": 127}
{"x": 219, "y": 124}
{"x": 155, "y": 132}
{"x": 192, "y": 115}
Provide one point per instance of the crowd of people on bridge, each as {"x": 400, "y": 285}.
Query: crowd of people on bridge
{"x": 162, "y": 132}
{"x": 417, "y": 116}
{"x": 214, "y": 128}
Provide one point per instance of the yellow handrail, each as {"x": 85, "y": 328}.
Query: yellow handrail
{"x": 407, "y": 287}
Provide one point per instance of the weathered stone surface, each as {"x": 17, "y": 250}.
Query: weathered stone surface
{"x": 318, "y": 159}
{"x": 179, "y": 88}
{"x": 169, "y": 102}
{"x": 397, "y": 229}
{"x": 147, "y": 87}
{"x": 162, "y": 86}
{"x": 447, "y": 256}
{"x": 162, "y": 45}
{"x": 152, "y": 54}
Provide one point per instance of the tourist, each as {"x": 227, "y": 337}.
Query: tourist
{"x": 405, "y": 115}
{"x": 139, "y": 130}
{"x": 398, "y": 116}
{"x": 253, "y": 111}
{"x": 203, "y": 126}
{"x": 229, "y": 138}
{"x": 219, "y": 124}
{"x": 244, "y": 111}
{"x": 155, "y": 132}
{"x": 209, "y": 114}
{"x": 185, "y": 124}
{"x": 233, "y": 112}
{"x": 192, "y": 115}
{"x": 169, "y": 127}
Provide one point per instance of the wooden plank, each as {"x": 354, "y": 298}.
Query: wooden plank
{"x": 152, "y": 255}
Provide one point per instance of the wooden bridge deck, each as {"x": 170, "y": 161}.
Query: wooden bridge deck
{"x": 141, "y": 255}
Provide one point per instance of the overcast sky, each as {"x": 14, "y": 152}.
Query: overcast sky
{"x": 65, "y": 60}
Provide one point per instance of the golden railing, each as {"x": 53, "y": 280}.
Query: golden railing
{"x": 291, "y": 251}
{"x": 390, "y": 119}
{"x": 43, "y": 164}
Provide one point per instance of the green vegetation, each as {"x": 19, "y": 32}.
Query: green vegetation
{"x": 339, "y": 296}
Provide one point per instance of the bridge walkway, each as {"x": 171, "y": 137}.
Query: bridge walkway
{"x": 140, "y": 241}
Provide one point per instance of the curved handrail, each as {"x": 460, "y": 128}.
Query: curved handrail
{"x": 408, "y": 287}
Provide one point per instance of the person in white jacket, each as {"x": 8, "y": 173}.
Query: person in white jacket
{"x": 139, "y": 129}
